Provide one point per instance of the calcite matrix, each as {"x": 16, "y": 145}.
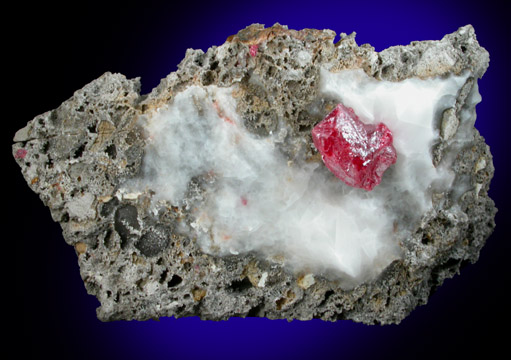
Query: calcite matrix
{"x": 213, "y": 195}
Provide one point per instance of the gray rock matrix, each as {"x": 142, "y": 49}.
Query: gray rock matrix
{"x": 77, "y": 156}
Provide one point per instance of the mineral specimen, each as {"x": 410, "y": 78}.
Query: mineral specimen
{"x": 355, "y": 152}
{"x": 208, "y": 196}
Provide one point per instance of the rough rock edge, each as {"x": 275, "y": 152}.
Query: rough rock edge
{"x": 78, "y": 154}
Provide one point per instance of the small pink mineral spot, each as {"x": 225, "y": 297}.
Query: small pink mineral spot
{"x": 253, "y": 50}
{"x": 221, "y": 113}
{"x": 244, "y": 201}
{"x": 20, "y": 154}
{"x": 355, "y": 152}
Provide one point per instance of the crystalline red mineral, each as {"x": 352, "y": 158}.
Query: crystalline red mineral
{"x": 355, "y": 152}
{"x": 253, "y": 49}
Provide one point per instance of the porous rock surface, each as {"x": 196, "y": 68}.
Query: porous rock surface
{"x": 77, "y": 156}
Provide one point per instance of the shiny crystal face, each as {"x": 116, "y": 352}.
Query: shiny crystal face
{"x": 355, "y": 152}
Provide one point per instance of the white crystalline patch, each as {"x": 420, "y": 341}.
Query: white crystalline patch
{"x": 256, "y": 200}
{"x": 81, "y": 207}
{"x": 262, "y": 280}
{"x": 303, "y": 58}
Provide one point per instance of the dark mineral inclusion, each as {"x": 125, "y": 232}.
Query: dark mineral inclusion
{"x": 139, "y": 267}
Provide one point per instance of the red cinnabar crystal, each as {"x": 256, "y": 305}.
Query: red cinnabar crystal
{"x": 355, "y": 152}
{"x": 253, "y": 49}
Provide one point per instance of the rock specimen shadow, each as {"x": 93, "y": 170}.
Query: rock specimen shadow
{"x": 208, "y": 197}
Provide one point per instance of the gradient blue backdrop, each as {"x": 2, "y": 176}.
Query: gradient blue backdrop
{"x": 55, "y": 50}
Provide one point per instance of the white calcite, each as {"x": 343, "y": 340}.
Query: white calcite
{"x": 298, "y": 212}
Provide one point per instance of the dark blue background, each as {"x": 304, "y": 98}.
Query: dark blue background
{"x": 51, "y": 51}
